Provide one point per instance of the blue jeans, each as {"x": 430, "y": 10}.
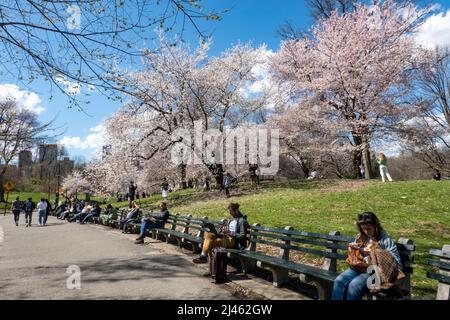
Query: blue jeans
{"x": 89, "y": 216}
{"x": 76, "y": 216}
{"x": 124, "y": 223}
{"x": 350, "y": 285}
{"x": 42, "y": 215}
{"x": 146, "y": 224}
{"x": 28, "y": 216}
{"x": 16, "y": 214}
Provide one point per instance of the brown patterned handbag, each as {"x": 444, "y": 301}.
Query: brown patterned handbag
{"x": 355, "y": 260}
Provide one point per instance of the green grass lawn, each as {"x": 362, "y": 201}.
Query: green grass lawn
{"x": 36, "y": 196}
{"x": 419, "y": 210}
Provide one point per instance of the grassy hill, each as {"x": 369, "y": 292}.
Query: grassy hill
{"x": 419, "y": 210}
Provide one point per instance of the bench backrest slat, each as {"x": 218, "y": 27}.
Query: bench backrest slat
{"x": 306, "y": 234}
{"x": 302, "y": 249}
{"x": 330, "y": 245}
{"x": 438, "y": 263}
{"x": 443, "y": 275}
{"x": 439, "y": 253}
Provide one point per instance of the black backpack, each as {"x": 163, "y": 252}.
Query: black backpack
{"x": 29, "y": 206}
{"x": 218, "y": 265}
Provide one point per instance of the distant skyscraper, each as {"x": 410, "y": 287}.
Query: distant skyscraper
{"x": 48, "y": 161}
{"x": 66, "y": 166}
{"x": 25, "y": 159}
{"x": 48, "y": 154}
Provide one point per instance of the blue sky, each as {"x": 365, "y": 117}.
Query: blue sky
{"x": 248, "y": 20}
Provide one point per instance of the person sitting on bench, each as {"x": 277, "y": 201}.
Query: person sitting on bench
{"x": 110, "y": 214}
{"x": 84, "y": 212}
{"x": 352, "y": 283}
{"x": 234, "y": 235}
{"x": 153, "y": 220}
{"x": 69, "y": 211}
{"x": 60, "y": 209}
{"x": 131, "y": 216}
{"x": 94, "y": 213}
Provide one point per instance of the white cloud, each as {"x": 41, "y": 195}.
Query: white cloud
{"x": 262, "y": 73}
{"x": 263, "y": 80}
{"x": 26, "y": 99}
{"x": 435, "y": 31}
{"x": 92, "y": 141}
{"x": 72, "y": 88}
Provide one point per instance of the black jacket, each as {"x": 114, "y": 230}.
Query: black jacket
{"x": 161, "y": 217}
{"x": 241, "y": 232}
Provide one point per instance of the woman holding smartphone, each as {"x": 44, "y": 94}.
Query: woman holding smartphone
{"x": 352, "y": 284}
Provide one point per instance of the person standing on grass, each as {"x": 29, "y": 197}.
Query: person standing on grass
{"x": 362, "y": 172}
{"x": 16, "y": 207}
{"x": 29, "y": 208}
{"x": 227, "y": 183}
{"x": 165, "y": 189}
{"x": 437, "y": 176}
{"x": 131, "y": 193}
{"x": 382, "y": 161}
{"x": 42, "y": 209}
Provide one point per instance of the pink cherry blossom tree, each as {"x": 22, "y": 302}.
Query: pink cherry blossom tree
{"x": 351, "y": 80}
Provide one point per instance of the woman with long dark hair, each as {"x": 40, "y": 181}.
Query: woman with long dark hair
{"x": 352, "y": 283}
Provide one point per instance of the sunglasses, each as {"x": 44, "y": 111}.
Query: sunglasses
{"x": 365, "y": 217}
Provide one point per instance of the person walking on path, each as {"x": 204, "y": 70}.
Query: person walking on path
{"x": 29, "y": 208}
{"x": 42, "y": 208}
{"x": 47, "y": 211}
{"x": 16, "y": 207}
{"x": 382, "y": 161}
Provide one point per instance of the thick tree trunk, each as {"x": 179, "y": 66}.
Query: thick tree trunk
{"x": 366, "y": 163}
{"x": 304, "y": 168}
{"x": 217, "y": 172}
{"x": 2, "y": 191}
{"x": 182, "y": 168}
{"x": 356, "y": 161}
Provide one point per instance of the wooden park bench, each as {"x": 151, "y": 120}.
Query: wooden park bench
{"x": 185, "y": 230}
{"x": 330, "y": 247}
{"x": 121, "y": 215}
{"x": 443, "y": 276}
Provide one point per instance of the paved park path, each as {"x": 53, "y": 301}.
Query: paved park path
{"x": 33, "y": 264}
